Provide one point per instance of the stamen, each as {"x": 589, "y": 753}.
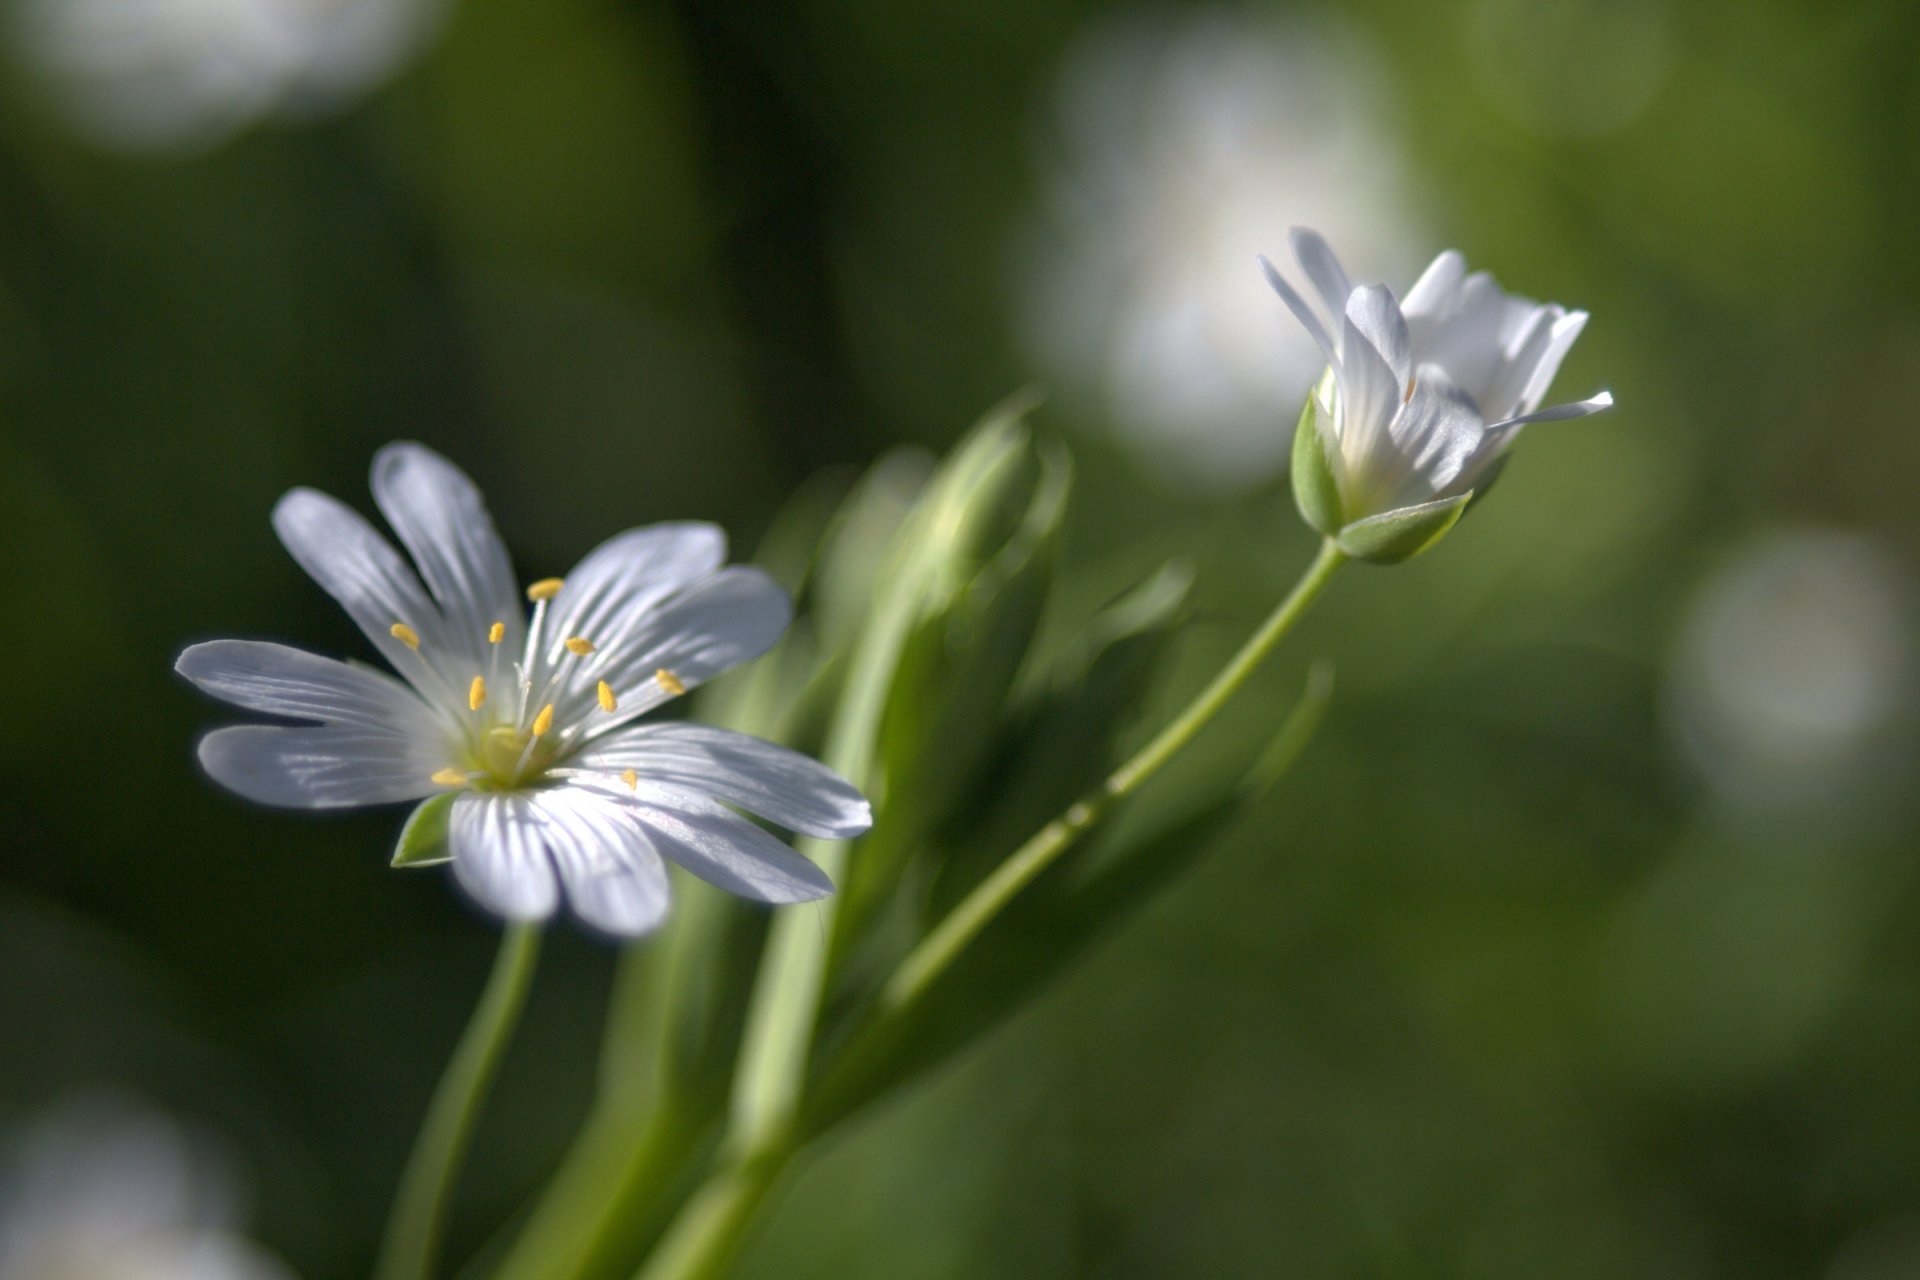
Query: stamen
{"x": 632, "y": 780}
{"x": 496, "y": 633}
{"x": 1409, "y": 396}
{"x": 543, "y": 721}
{"x": 449, "y": 778}
{"x": 607, "y": 701}
{"x": 545, "y": 589}
{"x": 405, "y": 634}
{"x": 669, "y": 682}
{"x": 477, "y": 693}
{"x": 579, "y": 646}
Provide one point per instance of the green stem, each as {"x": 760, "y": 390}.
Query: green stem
{"x": 927, "y": 961}
{"x": 707, "y": 1232}
{"x": 420, "y": 1208}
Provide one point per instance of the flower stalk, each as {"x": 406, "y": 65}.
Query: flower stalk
{"x": 414, "y": 1231}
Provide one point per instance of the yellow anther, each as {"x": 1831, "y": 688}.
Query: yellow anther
{"x": 607, "y": 701}
{"x": 545, "y": 589}
{"x": 449, "y": 778}
{"x": 543, "y": 721}
{"x": 477, "y": 693}
{"x": 496, "y": 633}
{"x": 669, "y": 682}
{"x": 405, "y": 634}
{"x": 579, "y": 646}
{"x": 632, "y": 780}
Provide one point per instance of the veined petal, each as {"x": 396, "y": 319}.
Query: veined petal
{"x": 307, "y": 767}
{"x": 1370, "y": 395}
{"x": 283, "y": 681}
{"x": 499, "y": 846}
{"x": 1303, "y": 311}
{"x": 443, "y": 522}
{"x": 1566, "y": 327}
{"x": 1374, "y": 312}
{"x": 1436, "y": 431}
{"x": 631, "y": 573}
{"x": 1560, "y": 412}
{"x": 1500, "y": 436}
{"x": 716, "y": 624}
{"x": 1466, "y": 339}
{"x": 1432, "y": 294}
{"x": 1324, "y": 273}
{"x": 357, "y": 567}
{"x": 723, "y": 848}
{"x": 782, "y": 786}
{"x": 613, "y": 876}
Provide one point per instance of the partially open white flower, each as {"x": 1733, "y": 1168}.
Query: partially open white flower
{"x": 1421, "y": 399}
{"x": 526, "y": 724}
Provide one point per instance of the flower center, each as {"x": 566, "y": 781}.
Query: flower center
{"x": 513, "y": 721}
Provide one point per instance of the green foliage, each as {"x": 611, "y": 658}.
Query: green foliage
{"x": 423, "y": 840}
{"x": 1315, "y": 489}
{"x": 1394, "y": 536}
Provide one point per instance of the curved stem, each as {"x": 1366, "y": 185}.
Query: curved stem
{"x": 927, "y": 961}
{"x": 412, "y": 1246}
{"x": 709, "y": 1230}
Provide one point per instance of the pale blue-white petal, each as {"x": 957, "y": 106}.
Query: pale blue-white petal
{"x": 1375, "y": 313}
{"x": 613, "y": 877}
{"x": 714, "y": 625}
{"x": 1528, "y": 348}
{"x": 443, "y": 523}
{"x": 1435, "y": 432}
{"x": 724, "y": 849}
{"x": 782, "y": 786}
{"x": 629, "y": 574}
{"x": 1466, "y": 339}
{"x": 1565, "y": 329}
{"x": 1302, "y": 311}
{"x": 1432, "y": 294}
{"x": 309, "y": 767}
{"x": 361, "y": 570}
{"x": 282, "y": 681}
{"x": 1324, "y": 273}
{"x": 498, "y": 842}
{"x": 1560, "y": 412}
{"x": 1371, "y": 393}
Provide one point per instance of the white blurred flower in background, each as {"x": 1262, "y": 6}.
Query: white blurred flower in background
{"x": 108, "y": 1191}
{"x": 1181, "y": 149}
{"x": 157, "y": 74}
{"x": 1794, "y": 672}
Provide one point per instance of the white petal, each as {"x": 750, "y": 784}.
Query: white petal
{"x": 725, "y": 619}
{"x": 1370, "y": 395}
{"x": 282, "y": 681}
{"x": 1432, "y": 294}
{"x": 500, "y": 857}
{"x": 1324, "y": 273}
{"x": 1560, "y": 412}
{"x": 360, "y": 569}
{"x": 1566, "y": 328}
{"x": 1302, "y": 311}
{"x": 725, "y": 849}
{"x": 630, "y": 573}
{"x": 613, "y": 876}
{"x": 306, "y": 767}
{"x": 443, "y": 522}
{"x": 1374, "y": 312}
{"x": 1466, "y": 340}
{"x": 1502, "y": 398}
{"x": 1436, "y": 431}
{"x": 782, "y": 786}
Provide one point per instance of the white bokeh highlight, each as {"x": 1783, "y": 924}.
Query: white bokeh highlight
{"x": 152, "y": 75}
{"x": 1180, "y": 150}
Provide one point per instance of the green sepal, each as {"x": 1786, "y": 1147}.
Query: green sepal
{"x": 1315, "y": 490}
{"x": 423, "y": 841}
{"x": 1394, "y": 536}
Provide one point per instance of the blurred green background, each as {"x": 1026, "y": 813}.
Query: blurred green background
{"x": 1581, "y": 943}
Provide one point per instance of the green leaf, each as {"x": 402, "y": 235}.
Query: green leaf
{"x": 1400, "y": 535}
{"x": 1315, "y": 490}
{"x": 423, "y": 841}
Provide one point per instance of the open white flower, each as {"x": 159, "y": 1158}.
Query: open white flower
{"x": 1422, "y": 398}
{"x": 526, "y": 726}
